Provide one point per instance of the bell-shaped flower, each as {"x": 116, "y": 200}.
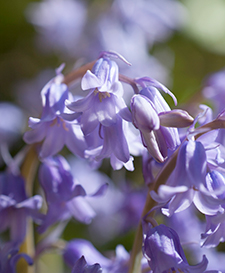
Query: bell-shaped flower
{"x": 187, "y": 183}
{"x": 52, "y": 128}
{"x": 80, "y": 247}
{"x": 148, "y": 107}
{"x": 214, "y": 233}
{"x": 102, "y": 114}
{"x": 162, "y": 249}
{"x": 65, "y": 198}
{"x": 81, "y": 266}
{"x": 16, "y": 207}
{"x": 104, "y": 76}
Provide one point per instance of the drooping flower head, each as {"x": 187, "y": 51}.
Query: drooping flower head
{"x": 103, "y": 112}
{"x": 52, "y": 128}
{"x": 164, "y": 253}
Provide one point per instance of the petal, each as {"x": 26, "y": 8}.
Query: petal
{"x": 105, "y": 111}
{"x": 37, "y": 134}
{"x": 54, "y": 141}
{"x": 90, "y": 80}
{"x": 81, "y": 210}
{"x": 89, "y": 121}
{"x": 207, "y": 204}
{"x": 75, "y": 140}
{"x": 175, "y": 118}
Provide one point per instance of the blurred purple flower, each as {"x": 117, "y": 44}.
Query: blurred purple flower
{"x": 12, "y": 125}
{"x": 65, "y": 198}
{"x": 16, "y": 207}
{"x": 61, "y": 28}
{"x": 214, "y": 90}
{"x": 80, "y": 247}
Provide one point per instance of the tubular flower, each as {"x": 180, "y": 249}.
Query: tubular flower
{"x": 103, "y": 113}
{"x": 52, "y": 128}
{"x": 16, "y": 207}
{"x": 64, "y": 197}
{"x": 154, "y": 118}
{"x": 187, "y": 183}
{"x": 164, "y": 253}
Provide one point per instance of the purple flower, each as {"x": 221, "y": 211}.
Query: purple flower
{"x": 16, "y": 207}
{"x": 214, "y": 233}
{"x": 148, "y": 107}
{"x": 103, "y": 113}
{"x": 162, "y": 249}
{"x": 65, "y": 198}
{"x": 82, "y": 267}
{"x": 52, "y": 128}
{"x": 187, "y": 183}
{"x": 79, "y": 247}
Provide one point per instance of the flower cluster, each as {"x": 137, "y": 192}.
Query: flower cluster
{"x": 70, "y": 172}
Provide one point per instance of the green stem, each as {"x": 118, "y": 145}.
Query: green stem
{"x": 28, "y": 171}
{"x": 78, "y": 73}
{"x": 136, "y": 253}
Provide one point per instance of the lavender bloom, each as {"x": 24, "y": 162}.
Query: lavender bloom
{"x": 9, "y": 257}
{"x": 146, "y": 107}
{"x": 164, "y": 252}
{"x": 82, "y": 267}
{"x": 187, "y": 183}
{"x": 16, "y": 207}
{"x": 214, "y": 233}
{"x": 64, "y": 196}
{"x": 103, "y": 111}
{"x": 79, "y": 247}
{"x": 52, "y": 128}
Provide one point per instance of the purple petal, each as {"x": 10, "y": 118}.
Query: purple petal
{"x": 81, "y": 210}
{"x": 105, "y": 111}
{"x": 54, "y": 141}
{"x": 90, "y": 80}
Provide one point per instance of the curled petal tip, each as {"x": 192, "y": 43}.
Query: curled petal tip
{"x": 114, "y": 54}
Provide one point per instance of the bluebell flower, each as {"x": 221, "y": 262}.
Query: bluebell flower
{"x": 65, "y": 198}
{"x": 215, "y": 224}
{"x": 162, "y": 249}
{"x": 187, "y": 183}
{"x": 151, "y": 113}
{"x": 52, "y": 128}
{"x": 16, "y": 207}
{"x": 103, "y": 112}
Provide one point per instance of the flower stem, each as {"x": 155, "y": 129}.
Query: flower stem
{"x": 28, "y": 171}
{"x": 78, "y": 73}
{"x": 136, "y": 253}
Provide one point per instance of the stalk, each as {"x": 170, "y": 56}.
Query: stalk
{"x": 28, "y": 171}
